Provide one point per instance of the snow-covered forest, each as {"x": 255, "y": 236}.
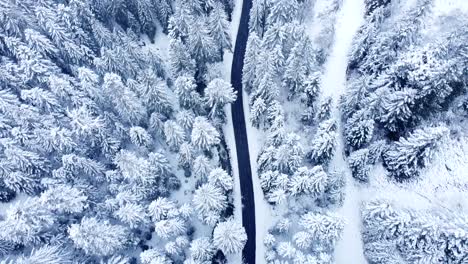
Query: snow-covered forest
{"x": 111, "y": 132}
{"x": 362, "y": 108}
{"x": 117, "y": 142}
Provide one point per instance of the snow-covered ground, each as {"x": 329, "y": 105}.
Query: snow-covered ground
{"x": 351, "y": 15}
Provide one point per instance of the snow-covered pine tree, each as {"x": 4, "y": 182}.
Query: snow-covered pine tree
{"x": 257, "y": 19}
{"x": 282, "y": 11}
{"x": 174, "y": 134}
{"x": 180, "y": 60}
{"x": 407, "y": 155}
{"x": 218, "y": 93}
{"x": 251, "y": 57}
{"x": 218, "y": 27}
{"x": 323, "y": 145}
{"x": 186, "y": 90}
{"x": 229, "y": 237}
{"x": 308, "y": 181}
{"x": 204, "y": 134}
{"x": 97, "y": 237}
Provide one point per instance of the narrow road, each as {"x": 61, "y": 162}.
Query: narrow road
{"x": 240, "y": 133}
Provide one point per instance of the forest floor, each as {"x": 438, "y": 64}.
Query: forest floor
{"x": 349, "y": 18}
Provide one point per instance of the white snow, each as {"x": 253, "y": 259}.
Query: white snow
{"x": 351, "y": 15}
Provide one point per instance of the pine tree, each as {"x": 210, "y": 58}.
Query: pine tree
{"x": 201, "y": 168}
{"x": 201, "y": 249}
{"x": 155, "y": 93}
{"x": 308, "y": 181}
{"x": 204, "y": 135}
{"x": 52, "y": 254}
{"x": 286, "y": 250}
{"x": 396, "y": 108}
{"x": 257, "y": 18}
{"x": 251, "y": 57}
{"x": 161, "y": 208}
{"x": 209, "y": 198}
{"x": 359, "y": 164}
{"x": 219, "y": 177}
{"x": 126, "y": 102}
{"x": 218, "y": 27}
{"x": 98, "y": 238}
{"x": 154, "y": 256}
{"x": 325, "y": 228}
{"x": 282, "y": 11}
{"x": 185, "y": 88}
{"x": 180, "y": 59}
{"x": 64, "y": 199}
{"x": 358, "y": 132}
{"x": 174, "y": 134}
{"x": 218, "y": 93}
{"x": 201, "y": 45}
{"x": 323, "y": 145}
{"x": 169, "y": 228}
{"x": 185, "y": 119}
{"x": 229, "y": 237}
{"x": 139, "y": 136}
{"x": 408, "y": 154}
{"x": 185, "y": 156}
{"x": 258, "y": 113}
{"x": 27, "y": 223}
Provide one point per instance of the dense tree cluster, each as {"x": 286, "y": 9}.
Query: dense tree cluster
{"x": 401, "y": 81}
{"x": 98, "y": 129}
{"x": 282, "y": 67}
{"x": 396, "y": 235}
{"x": 312, "y": 242}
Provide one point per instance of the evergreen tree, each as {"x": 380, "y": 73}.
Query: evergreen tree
{"x": 396, "y": 108}
{"x": 204, "y": 135}
{"x": 282, "y": 11}
{"x": 218, "y": 27}
{"x": 27, "y": 223}
{"x": 185, "y": 119}
{"x": 180, "y": 60}
{"x": 98, "y": 238}
{"x": 218, "y": 93}
{"x": 201, "y": 249}
{"x": 358, "y": 132}
{"x": 139, "y": 136}
{"x": 174, "y": 134}
{"x": 408, "y": 154}
{"x": 257, "y": 18}
{"x": 251, "y": 58}
{"x": 323, "y": 145}
{"x": 229, "y": 237}
{"x": 209, "y": 198}
{"x": 185, "y": 88}
{"x": 126, "y": 102}
{"x": 52, "y": 254}
{"x": 308, "y": 181}
{"x": 325, "y": 228}
{"x": 219, "y": 177}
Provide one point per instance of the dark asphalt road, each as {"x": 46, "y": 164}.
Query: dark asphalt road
{"x": 240, "y": 132}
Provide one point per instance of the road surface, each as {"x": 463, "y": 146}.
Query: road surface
{"x": 240, "y": 134}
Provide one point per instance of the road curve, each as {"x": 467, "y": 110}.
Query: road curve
{"x": 240, "y": 133}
